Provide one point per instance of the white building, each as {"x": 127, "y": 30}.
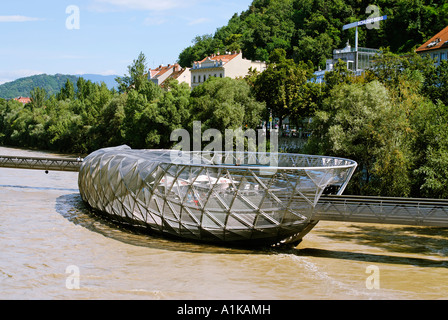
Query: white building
{"x": 436, "y": 47}
{"x": 171, "y": 71}
{"x": 357, "y": 60}
{"x": 231, "y": 65}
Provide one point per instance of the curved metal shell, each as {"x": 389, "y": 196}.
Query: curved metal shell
{"x": 247, "y": 198}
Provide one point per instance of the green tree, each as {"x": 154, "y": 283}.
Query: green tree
{"x": 107, "y": 132}
{"x": 339, "y": 75}
{"x": 67, "y": 91}
{"x": 138, "y": 124}
{"x": 390, "y": 67}
{"x": 83, "y": 89}
{"x": 436, "y": 83}
{"x": 202, "y": 47}
{"x": 136, "y": 77}
{"x": 285, "y": 87}
{"x": 174, "y": 110}
{"x": 358, "y": 121}
{"x": 430, "y": 145}
{"x": 38, "y": 97}
{"x": 224, "y": 103}
{"x": 66, "y": 130}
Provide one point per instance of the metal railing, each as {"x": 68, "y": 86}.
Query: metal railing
{"x": 36, "y": 163}
{"x": 402, "y": 211}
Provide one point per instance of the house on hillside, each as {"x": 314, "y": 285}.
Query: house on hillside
{"x": 436, "y": 47}
{"x": 230, "y": 64}
{"x": 23, "y": 100}
{"x": 171, "y": 71}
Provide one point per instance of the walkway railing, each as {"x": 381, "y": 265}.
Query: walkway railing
{"x": 36, "y": 163}
{"x": 403, "y": 211}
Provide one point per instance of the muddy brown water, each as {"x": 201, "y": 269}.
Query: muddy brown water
{"x": 53, "y": 247}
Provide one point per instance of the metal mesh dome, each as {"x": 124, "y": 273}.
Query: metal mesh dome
{"x": 213, "y": 197}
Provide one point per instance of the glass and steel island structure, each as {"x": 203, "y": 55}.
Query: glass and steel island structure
{"x": 240, "y": 198}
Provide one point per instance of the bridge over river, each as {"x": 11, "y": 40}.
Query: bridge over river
{"x": 346, "y": 208}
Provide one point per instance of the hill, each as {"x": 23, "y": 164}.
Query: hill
{"x": 23, "y": 86}
{"x": 311, "y": 29}
{"x": 51, "y": 83}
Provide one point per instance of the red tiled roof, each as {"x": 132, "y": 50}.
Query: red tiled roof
{"x": 155, "y": 73}
{"x": 224, "y": 57}
{"x": 23, "y": 100}
{"x": 439, "y": 41}
{"x": 177, "y": 74}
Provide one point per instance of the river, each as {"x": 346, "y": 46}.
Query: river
{"x": 53, "y": 248}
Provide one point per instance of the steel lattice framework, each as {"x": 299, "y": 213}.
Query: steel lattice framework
{"x": 221, "y": 197}
{"x": 36, "y": 163}
{"x": 402, "y": 211}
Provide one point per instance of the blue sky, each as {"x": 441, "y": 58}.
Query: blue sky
{"x": 35, "y": 39}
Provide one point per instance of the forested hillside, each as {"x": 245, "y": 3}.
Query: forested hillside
{"x": 22, "y": 87}
{"x": 311, "y": 29}
{"x": 52, "y": 84}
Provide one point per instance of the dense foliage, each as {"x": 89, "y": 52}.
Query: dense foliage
{"x": 392, "y": 121}
{"x": 311, "y": 29}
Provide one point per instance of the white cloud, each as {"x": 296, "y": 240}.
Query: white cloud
{"x": 18, "y": 19}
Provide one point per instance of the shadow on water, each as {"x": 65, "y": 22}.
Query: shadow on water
{"x": 367, "y": 257}
{"x": 73, "y": 209}
{"x": 401, "y": 239}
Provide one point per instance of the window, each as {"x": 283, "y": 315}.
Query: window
{"x": 443, "y": 56}
{"x": 435, "y": 56}
{"x": 194, "y": 79}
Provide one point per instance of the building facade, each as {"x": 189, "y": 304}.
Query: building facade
{"x": 436, "y": 47}
{"x": 357, "y": 60}
{"x": 231, "y": 64}
{"x": 171, "y": 71}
